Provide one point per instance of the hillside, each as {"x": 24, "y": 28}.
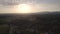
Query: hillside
{"x": 39, "y": 23}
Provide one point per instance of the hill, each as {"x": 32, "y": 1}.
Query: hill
{"x": 38, "y": 23}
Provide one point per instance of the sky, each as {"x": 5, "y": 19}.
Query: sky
{"x": 8, "y": 6}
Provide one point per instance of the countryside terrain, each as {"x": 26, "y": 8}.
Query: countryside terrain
{"x": 39, "y": 23}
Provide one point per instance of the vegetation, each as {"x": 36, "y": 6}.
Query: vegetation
{"x": 48, "y": 23}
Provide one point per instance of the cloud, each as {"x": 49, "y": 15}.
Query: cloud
{"x": 51, "y": 1}
{"x": 16, "y": 2}
{"x": 9, "y": 2}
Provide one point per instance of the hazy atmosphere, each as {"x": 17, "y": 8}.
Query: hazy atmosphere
{"x": 29, "y": 16}
{"x": 14, "y": 6}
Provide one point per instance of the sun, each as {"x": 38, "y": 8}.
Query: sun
{"x": 24, "y": 8}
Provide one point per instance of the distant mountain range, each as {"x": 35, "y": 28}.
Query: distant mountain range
{"x": 43, "y": 12}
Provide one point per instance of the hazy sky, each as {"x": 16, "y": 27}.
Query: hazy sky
{"x": 7, "y": 6}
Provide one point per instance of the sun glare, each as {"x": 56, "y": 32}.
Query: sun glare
{"x": 24, "y": 8}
